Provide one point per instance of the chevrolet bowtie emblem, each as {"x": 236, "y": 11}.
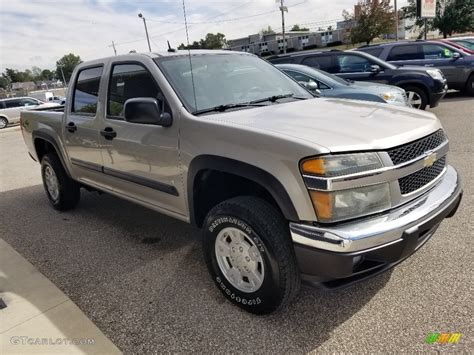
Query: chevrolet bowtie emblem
{"x": 430, "y": 159}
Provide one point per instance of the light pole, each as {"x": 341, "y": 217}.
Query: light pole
{"x": 396, "y": 21}
{"x": 146, "y": 31}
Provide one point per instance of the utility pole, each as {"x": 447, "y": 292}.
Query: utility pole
{"x": 283, "y": 8}
{"x": 396, "y": 21}
{"x": 62, "y": 73}
{"x": 146, "y": 31}
{"x": 113, "y": 46}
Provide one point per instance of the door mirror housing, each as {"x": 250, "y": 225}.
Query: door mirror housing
{"x": 310, "y": 85}
{"x": 456, "y": 55}
{"x": 146, "y": 110}
{"x": 375, "y": 69}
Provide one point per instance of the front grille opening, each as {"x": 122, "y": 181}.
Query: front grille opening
{"x": 414, "y": 149}
{"x": 422, "y": 177}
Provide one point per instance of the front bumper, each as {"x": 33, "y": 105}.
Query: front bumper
{"x": 435, "y": 97}
{"x": 341, "y": 254}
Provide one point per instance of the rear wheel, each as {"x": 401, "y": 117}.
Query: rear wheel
{"x": 470, "y": 85}
{"x": 3, "y": 122}
{"x": 63, "y": 192}
{"x": 417, "y": 97}
{"x": 250, "y": 255}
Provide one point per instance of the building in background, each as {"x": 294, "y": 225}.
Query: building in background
{"x": 272, "y": 43}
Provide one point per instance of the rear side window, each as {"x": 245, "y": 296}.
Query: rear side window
{"x": 129, "y": 81}
{"x": 323, "y": 62}
{"x": 12, "y": 103}
{"x": 283, "y": 60}
{"x": 86, "y": 92}
{"x": 29, "y": 102}
{"x": 376, "y": 51}
{"x": 406, "y": 52}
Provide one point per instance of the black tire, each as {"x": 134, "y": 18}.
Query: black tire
{"x": 469, "y": 88}
{"x": 269, "y": 232}
{"x": 68, "y": 190}
{"x": 3, "y": 122}
{"x": 420, "y": 92}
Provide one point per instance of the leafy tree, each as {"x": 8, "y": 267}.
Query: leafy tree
{"x": 267, "y": 31}
{"x": 211, "y": 41}
{"x": 47, "y": 74}
{"x": 374, "y": 19}
{"x": 68, "y": 62}
{"x": 330, "y": 28}
{"x": 452, "y": 16}
{"x": 298, "y": 28}
{"x": 5, "y": 82}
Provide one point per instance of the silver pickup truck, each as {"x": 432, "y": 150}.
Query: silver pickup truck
{"x": 286, "y": 187}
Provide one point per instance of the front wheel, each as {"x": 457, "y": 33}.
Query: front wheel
{"x": 63, "y": 192}
{"x": 250, "y": 256}
{"x": 417, "y": 97}
{"x": 470, "y": 85}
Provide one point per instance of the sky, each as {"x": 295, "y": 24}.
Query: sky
{"x": 39, "y": 32}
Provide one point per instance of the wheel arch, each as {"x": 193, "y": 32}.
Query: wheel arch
{"x": 45, "y": 143}
{"x": 203, "y": 165}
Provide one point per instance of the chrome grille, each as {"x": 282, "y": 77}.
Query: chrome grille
{"x": 422, "y": 177}
{"x": 414, "y": 149}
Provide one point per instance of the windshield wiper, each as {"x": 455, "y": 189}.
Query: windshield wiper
{"x": 274, "y": 98}
{"x": 222, "y": 108}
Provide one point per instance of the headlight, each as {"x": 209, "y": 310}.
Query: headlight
{"x": 338, "y": 205}
{"x": 343, "y": 164}
{"x": 332, "y": 206}
{"x": 388, "y": 96}
{"x": 435, "y": 74}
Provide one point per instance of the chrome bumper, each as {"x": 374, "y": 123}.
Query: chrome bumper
{"x": 383, "y": 230}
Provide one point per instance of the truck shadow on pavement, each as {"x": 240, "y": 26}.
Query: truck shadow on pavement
{"x": 140, "y": 277}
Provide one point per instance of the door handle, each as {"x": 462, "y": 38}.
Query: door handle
{"x": 429, "y": 65}
{"x": 71, "y": 127}
{"x": 108, "y": 133}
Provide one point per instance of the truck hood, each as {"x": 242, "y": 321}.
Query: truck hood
{"x": 335, "y": 124}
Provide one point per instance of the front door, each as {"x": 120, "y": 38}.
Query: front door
{"x": 441, "y": 57}
{"x": 140, "y": 160}
{"x": 358, "y": 68}
{"x": 80, "y": 130}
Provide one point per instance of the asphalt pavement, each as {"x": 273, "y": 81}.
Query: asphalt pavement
{"x": 140, "y": 276}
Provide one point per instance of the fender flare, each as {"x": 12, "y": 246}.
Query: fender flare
{"x": 248, "y": 171}
{"x": 48, "y": 138}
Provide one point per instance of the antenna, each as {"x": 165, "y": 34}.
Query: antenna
{"x": 189, "y": 55}
{"x": 171, "y": 50}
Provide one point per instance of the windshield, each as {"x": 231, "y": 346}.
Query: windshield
{"x": 333, "y": 77}
{"x": 465, "y": 43}
{"x": 226, "y": 79}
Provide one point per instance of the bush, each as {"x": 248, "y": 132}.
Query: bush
{"x": 334, "y": 44}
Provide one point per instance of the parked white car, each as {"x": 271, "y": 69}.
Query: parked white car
{"x": 10, "y": 108}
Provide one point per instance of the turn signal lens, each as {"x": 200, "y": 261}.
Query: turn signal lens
{"x": 314, "y": 166}
{"x": 322, "y": 202}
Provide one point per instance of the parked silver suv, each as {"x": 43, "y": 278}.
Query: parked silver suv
{"x": 286, "y": 187}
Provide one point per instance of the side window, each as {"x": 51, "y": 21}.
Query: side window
{"x": 129, "y": 81}
{"x": 323, "y": 62}
{"x": 350, "y": 63}
{"x": 299, "y": 77}
{"x": 406, "y": 52}
{"x": 435, "y": 51}
{"x": 12, "y": 103}
{"x": 29, "y": 102}
{"x": 86, "y": 91}
{"x": 376, "y": 51}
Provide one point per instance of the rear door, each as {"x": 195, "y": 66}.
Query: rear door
{"x": 140, "y": 160}
{"x": 81, "y": 129}
{"x": 406, "y": 54}
{"x": 12, "y": 110}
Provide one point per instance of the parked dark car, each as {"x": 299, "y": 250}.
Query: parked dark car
{"x": 424, "y": 86}
{"x": 329, "y": 85}
{"x": 456, "y": 65}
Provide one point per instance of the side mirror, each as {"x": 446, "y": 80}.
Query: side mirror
{"x": 146, "y": 110}
{"x": 310, "y": 85}
{"x": 375, "y": 69}
{"x": 456, "y": 55}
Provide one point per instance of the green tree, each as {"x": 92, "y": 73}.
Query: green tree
{"x": 47, "y": 74}
{"x": 267, "y": 31}
{"x": 67, "y": 63}
{"x": 5, "y": 81}
{"x": 452, "y": 16}
{"x": 298, "y": 28}
{"x": 211, "y": 41}
{"x": 374, "y": 19}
